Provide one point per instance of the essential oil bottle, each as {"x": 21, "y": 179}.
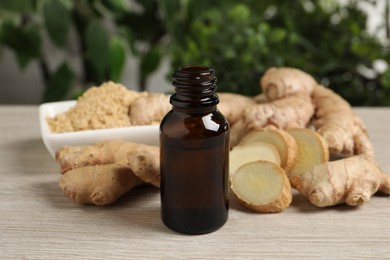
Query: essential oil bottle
{"x": 194, "y": 147}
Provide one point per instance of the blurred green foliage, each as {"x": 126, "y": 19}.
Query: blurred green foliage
{"x": 101, "y": 34}
{"x": 239, "y": 39}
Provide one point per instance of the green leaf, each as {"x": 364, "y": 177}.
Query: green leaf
{"x": 150, "y": 62}
{"x": 97, "y": 53}
{"x": 25, "y": 41}
{"x": 117, "y": 58}
{"x": 59, "y": 83}
{"x": 17, "y": 6}
{"x": 57, "y": 20}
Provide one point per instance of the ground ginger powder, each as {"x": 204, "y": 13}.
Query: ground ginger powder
{"x": 106, "y": 106}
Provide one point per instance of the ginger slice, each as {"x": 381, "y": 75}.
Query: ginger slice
{"x": 251, "y": 152}
{"x": 262, "y": 186}
{"x": 283, "y": 142}
{"x": 312, "y": 150}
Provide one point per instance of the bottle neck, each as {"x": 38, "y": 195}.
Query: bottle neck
{"x": 194, "y": 89}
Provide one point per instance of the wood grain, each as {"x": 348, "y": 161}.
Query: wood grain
{"x": 38, "y": 222}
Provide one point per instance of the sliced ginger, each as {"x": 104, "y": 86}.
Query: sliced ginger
{"x": 250, "y": 152}
{"x": 312, "y": 150}
{"x": 351, "y": 180}
{"x": 262, "y": 186}
{"x": 280, "y": 139}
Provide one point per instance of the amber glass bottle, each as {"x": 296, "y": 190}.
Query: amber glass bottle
{"x": 194, "y": 145}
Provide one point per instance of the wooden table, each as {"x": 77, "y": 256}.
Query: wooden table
{"x": 38, "y": 222}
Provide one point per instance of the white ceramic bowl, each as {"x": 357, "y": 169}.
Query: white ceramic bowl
{"x": 148, "y": 134}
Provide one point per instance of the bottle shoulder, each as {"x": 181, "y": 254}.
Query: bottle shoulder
{"x": 181, "y": 124}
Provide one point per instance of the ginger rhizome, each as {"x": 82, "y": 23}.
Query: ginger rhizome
{"x": 351, "y": 180}
{"x": 99, "y": 174}
{"x": 306, "y": 124}
{"x": 342, "y": 129}
{"x": 232, "y": 105}
{"x": 278, "y": 83}
{"x": 292, "y": 99}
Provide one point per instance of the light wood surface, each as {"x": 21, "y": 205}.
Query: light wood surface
{"x": 38, "y": 222}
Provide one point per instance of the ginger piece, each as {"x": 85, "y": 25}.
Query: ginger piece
{"x": 262, "y": 186}
{"x": 351, "y": 180}
{"x": 342, "y": 129}
{"x": 284, "y": 143}
{"x": 100, "y": 173}
{"x": 290, "y": 112}
{"x": 149, "y": 109}
{"x": 293, "y": 111}
{"x": 232, "y": 105}
{"x": 312, "y": 150}
{"x": 98, "y": 184}
{"x": 250, "y": 152}
{"x": 288, "y": 91}
{"x": 142, "y": 159}
{"x": 278, "y": 83}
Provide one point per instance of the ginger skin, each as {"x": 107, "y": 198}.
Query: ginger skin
{"x": 351, "y": 180}
{"x": 98, "y": 184}
{"x": 99, "y": 174}
{"x": 294, "y": 111}
{"x": 232, "y": 105}
{"x": 278, "y": 83}
{"x": 334, "y": 120}
{"x": 157, "y": 105}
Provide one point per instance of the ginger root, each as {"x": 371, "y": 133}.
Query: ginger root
{"x": 99, "y": 174}
{"x": 262, "y": 186}
{"x": 334, "y": 119}
{"x": 278, "y": 83}
{"x": 296, "y": 101}
{"x": 98, "y": 184}
{"x": 293, "y": 111}
{"x": 351, "y": 180}
{"x": 232, "y": 105}
{"x": 149, "y": 109}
